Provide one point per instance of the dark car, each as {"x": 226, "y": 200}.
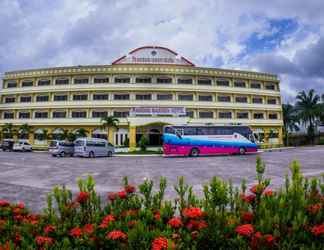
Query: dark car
{"x": 7, "y": 145}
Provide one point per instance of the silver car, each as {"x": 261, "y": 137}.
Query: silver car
{"x": 61, "y": 148}
{"x": 93, "y": 147}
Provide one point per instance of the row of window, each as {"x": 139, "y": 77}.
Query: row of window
{"x": 122, "y": 114}
{"x": 159, "y": 80}
{"x": 142, "y": 97}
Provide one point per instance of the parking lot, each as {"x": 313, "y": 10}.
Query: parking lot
{"x": 30, "y": 176}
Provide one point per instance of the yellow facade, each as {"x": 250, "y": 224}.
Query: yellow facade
{"x": 69, "y": 98}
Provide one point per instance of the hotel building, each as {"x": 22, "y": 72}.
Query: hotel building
{"x": 147, "y": 88}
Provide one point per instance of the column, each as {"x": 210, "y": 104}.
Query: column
{"x": 132, "y": 138}
{"x": 280, "y": 136}
{"x": 111, "y": 131}
{"x": 31, "y": 138}
{"x": 266, "y": 136}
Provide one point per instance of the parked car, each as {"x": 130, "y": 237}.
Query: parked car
{"x": 61, "y": 148}
{"x": 93, "y": 147}
{"x": 22, "y": 146}
{"x": 7, "y": 145}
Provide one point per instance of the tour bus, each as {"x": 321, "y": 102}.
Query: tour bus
{"x": 191, "y": 140}
{"x": 93, "y": 147}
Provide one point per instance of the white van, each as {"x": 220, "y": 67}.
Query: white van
{"x": 93, "y": 147}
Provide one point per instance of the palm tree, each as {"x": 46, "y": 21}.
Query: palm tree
{"x": 24, "y": 130}
{"x": 308, "y": 112}
{"x": 290, "y": 120}
{"x": 109, "y": 121}
{"x": 8, "y": 130}
{"x": 81, "y": 132}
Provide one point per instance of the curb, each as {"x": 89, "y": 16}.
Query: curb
{"x": 132, "y": 155}
{"x": 276, "y": 149}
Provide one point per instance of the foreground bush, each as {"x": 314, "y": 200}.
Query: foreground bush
{"x": 226, "y": 217}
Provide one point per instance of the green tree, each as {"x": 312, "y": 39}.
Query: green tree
{"x": 290, "y": 120}
{"x": 81, "y": 132}
{"x": 8, "y": 130}
{"x": 109, "y": 121}
{"x": 24, "y": 130}
{"x": 308, "y": 111}
{"x": 70, "y": 137}
{"x": 143, "y": 143}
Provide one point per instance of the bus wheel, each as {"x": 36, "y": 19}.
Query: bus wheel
{"x": 242, "y": 151}
{"x": 194, "y": 152}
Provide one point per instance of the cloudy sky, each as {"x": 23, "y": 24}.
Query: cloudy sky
{"x": 281, "y": 37}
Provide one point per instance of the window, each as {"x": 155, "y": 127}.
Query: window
{"x": 27, "y": 84}
{"x": 258, "y": 115}
{"x": 101, "y": 80}
{"x": 81, "y": 80}
{"x": 272, "y": 101}
{"x": 241, "y": 99}
{"x": 143, "y": 80}
{"x": 79, "y": 114}
{"x": 224, "y": 98}
{"x": 99, "y": 114}
{"x": 143, "y": 97}
{"x": 83, "y": 97}
{"x": 100, "y": 97}
{"x": 163, "y": 80}
{"x": 121, "y": 96}
{"x": 225, "y": 115}
{"x": 24, "y": 115}
{"x": 12, "y": 85}
{"x": 273, "y": 116}
{"x": 185, "y": 97}
{"x": 25, "y": 99}
{"x": 121, "y": 114}
{"x": 122, "y": 80}
{"x": 242, "y": 115}
{"x": 10, "y": 99}
{"x": 239, "y": 84}
{"x": 8, "y": 115}
{"x": 270, "y": 86}
{"x": 257, "y": 100}
{"x": 222, "y": 82}
{"x": 255, "y": 85}
{"x": 44, "y": 82}
{"x": 204, "y": 81}
{"x": 59, "y": 114}
{"x": 190, "y": 114}
{"x": 41, "y": 115}
{"x": 185, "y": 81}
{"x": 206, "y": 114}
{"x": 62, "y": 81}
{"x": 59, "y": 98}
{"x": 205, "y": 98}
{"x": 42, "y": 98}
{"x": 164, "y": 97}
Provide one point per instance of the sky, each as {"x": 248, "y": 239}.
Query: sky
{"x": 280, "y": 37}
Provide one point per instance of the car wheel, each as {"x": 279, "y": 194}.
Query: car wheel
{"x": 91, "y": 155}
{"x": 62, "y": 154}
{"x": 242, "y": 151}
{"x": 194, "y": 152}
{"x": 110, "y": 154}
{"x": 23, "y": 150}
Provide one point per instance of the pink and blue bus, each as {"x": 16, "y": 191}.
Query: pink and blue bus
{"x": 192, "y": 140}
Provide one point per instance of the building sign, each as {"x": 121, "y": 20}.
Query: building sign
{"x": 151, "y": 111}
{"x": 153, "y": 55}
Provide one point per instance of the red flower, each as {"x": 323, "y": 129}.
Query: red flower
{"x": 269, "y": 239}
{"x": 314, "y": 209}
{"x": 248, "y": 198}
{"x": 112, "y": 196}
{"x": 42, "y": 240}
{"x": 160, "y": 243}
{"x": 82, "y": 197}
{"x": 194, "y": 235}
{"x": 202, "y": 224}
{"x": 268, "y": 193}
{"x": 257, "y": 189}
{"x": 88, "y": 229}
{"x": 175, "y": 222}
{"x": 318, "y": 230}
{"x": 245, "y": 230}
{"x": 130, "y": 189}
{"x": 106, "y": 220}
{"x": 4, "y": 203}
{"x": 193, "y": 212}
{"x": 258, "y": 235}
{"x": 21, "y": 205}
{"x": 122, "y": 194}
{"x": 49, "y": 229}
{"x": 157, "y": 216}
{"x": 247, "y": 217}
{"x": 116, "y": 235}
{"x": 131, "y": 223}
{"x": 76, "y": 232}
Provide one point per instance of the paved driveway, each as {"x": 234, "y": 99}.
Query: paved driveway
{"x": 29, "y": 176}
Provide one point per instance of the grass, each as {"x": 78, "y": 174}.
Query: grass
{"x": 147, "y": 152}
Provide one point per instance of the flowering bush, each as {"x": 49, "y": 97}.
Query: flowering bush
{"x": 225, "y": 217}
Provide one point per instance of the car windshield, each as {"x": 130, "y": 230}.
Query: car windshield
{"x": 53, "y": 143}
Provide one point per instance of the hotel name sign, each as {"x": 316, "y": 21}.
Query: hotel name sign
{"x": 151, "y": 111}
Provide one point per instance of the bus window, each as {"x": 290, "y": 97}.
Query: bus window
{"x": 169, "y": 130}
{"x": 189, "y": 131}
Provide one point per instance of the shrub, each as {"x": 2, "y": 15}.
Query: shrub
{"x": 225, "y": 217}
{"x": 143, "y": 143}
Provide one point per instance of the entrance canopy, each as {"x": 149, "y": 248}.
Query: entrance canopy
{"x": 153, "y": 55}
{"x": 143, "y": 121}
